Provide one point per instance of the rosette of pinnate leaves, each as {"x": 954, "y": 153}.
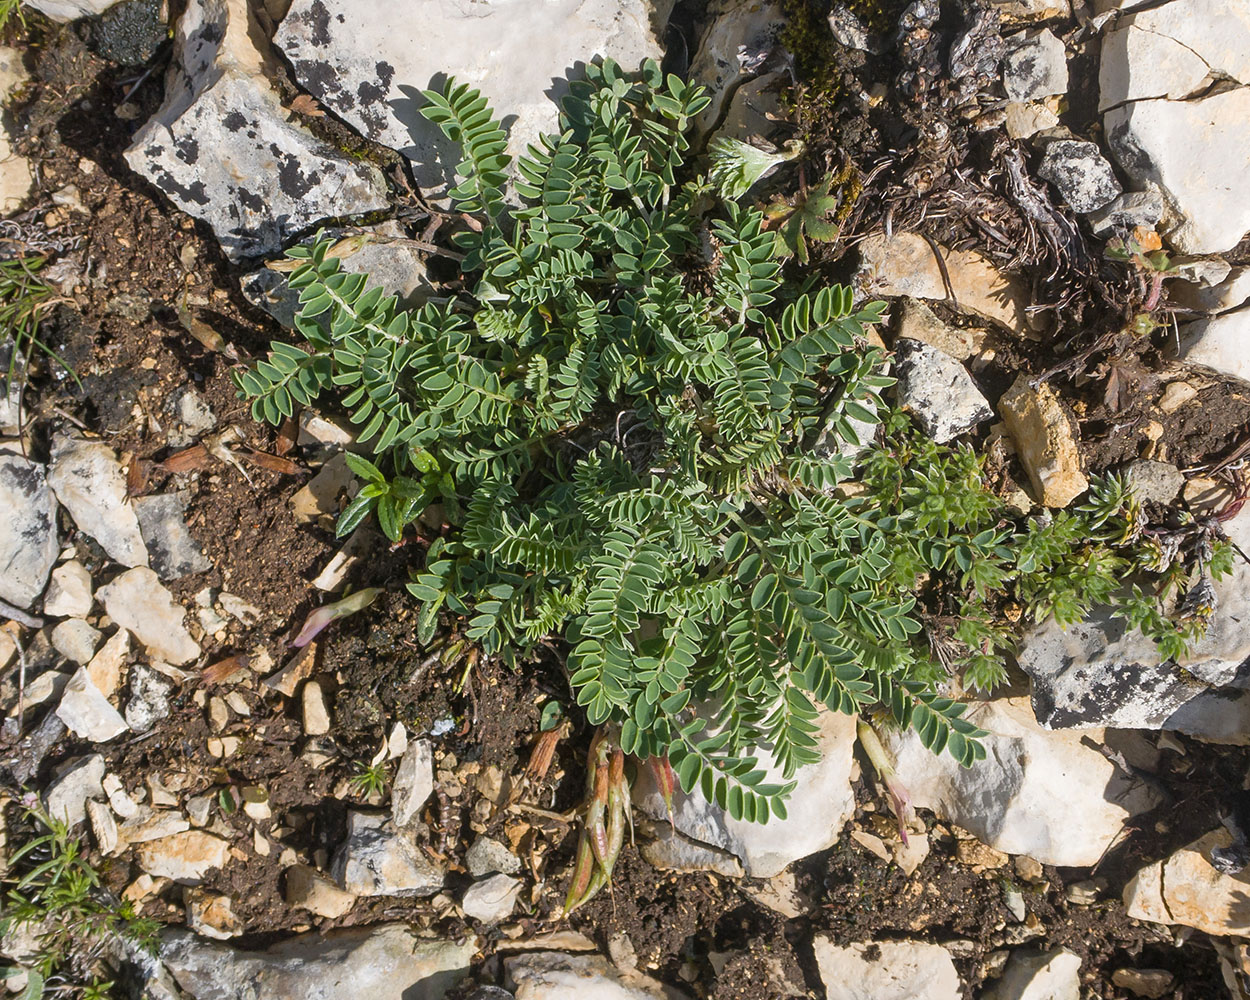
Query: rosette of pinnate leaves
{"x": 635, "y": 428}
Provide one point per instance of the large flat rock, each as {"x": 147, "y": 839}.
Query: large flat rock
{"x": 368, "y": 61}
{"x": 1048, "y": 795}
{"x": 223, "y": 150}
{"x": 384, "y": 962}
{"x": 1196, "y": 152}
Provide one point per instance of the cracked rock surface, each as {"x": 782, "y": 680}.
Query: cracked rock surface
{"x": 369, "y": 60}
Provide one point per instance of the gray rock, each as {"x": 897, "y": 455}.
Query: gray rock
{"x": 378, "y": 860}
{"x": 887, "y": 970}
{"x": 67, "y": 795}
{"x": 487, "y": 855}
{"x": 1127, "y": 212}
{"x": 1083, "y": 176}
{"x": 384, "y": 962}
{"x": 398, "y": 268}
{"x": 189, "y": 417}
{"x": 492, "y": 899}
{"x": 171, "y": 549}
{"x": 222, "y": 148}
{"x": 1035, "y": 66}
{"x": 69, "y": 592}
{"x": 665, "y": 849}
{"x": 368, "y": 60}
{"x": 28, "y": 542}
{"x": 1048, "y": 975}
{"x": 1098, "y": 673}
{"x": 938, "y": 391}
{"x": 546, "y": 975}
{"x": 90, "y": 483}
{"x": 1157, "y": 481}
{"x": 138, "y": 602}
{"x": 86, "y": 712}
{"x": 1195, "y": 152}
{"x": 69, "y": 10}
{"x": 76, "y": 640}
{"x": 149, "y": 698}
{"x": 414, "y": 782}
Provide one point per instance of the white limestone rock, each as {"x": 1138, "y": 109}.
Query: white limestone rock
{"x": 1221, "y": 343}
{"x": 1187, "y": 889}
{"x": 1174, "y": 50}
{"x": 550, "y": 975}
{"x": 76, "y": 640}
{"x": 1039, "y": 793}
{"x": 938, "y": 391}
{"x": 818, "y": 809}
{"x": 139, "y": 603}
{"x": 69, "y": 10}
{"x": 378, "y": 860}
{"x": 66, "y": 797}
{"x": 492, "y": 899}
{"x": 308, "y": 889}
{"x": 16, "y": 180}
{"x": 1126, "y": 212}
{"x": 1053, "y": 975}
{"x": 369, "y": 60}
{"x": 726, "y": 58}
{"x": 90, "y": 483}
{"x": 1195, "y": 152}
{"x": 1036, "y": 66}
{"x": 69, "y": 592}
{"x": 186, "y": 857}
{"x": 1046, "y": 441}
{"x": 86, "y": 712}
{"x": 905, "y": 264}
{"x": 1231, "y": 292}
{"x": 223, "y": 148}
{"x": 28, "y": 542}
{"x": 887, "y": 970}
{"x": 916, "y": 321}
{"x": 383, "y": 962}
{"x": 414, "y": 782}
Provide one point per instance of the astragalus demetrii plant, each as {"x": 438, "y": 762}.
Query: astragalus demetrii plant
{"x": 635, "y": 428}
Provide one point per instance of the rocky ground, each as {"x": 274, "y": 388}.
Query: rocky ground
{"x": 355, "y": 816}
